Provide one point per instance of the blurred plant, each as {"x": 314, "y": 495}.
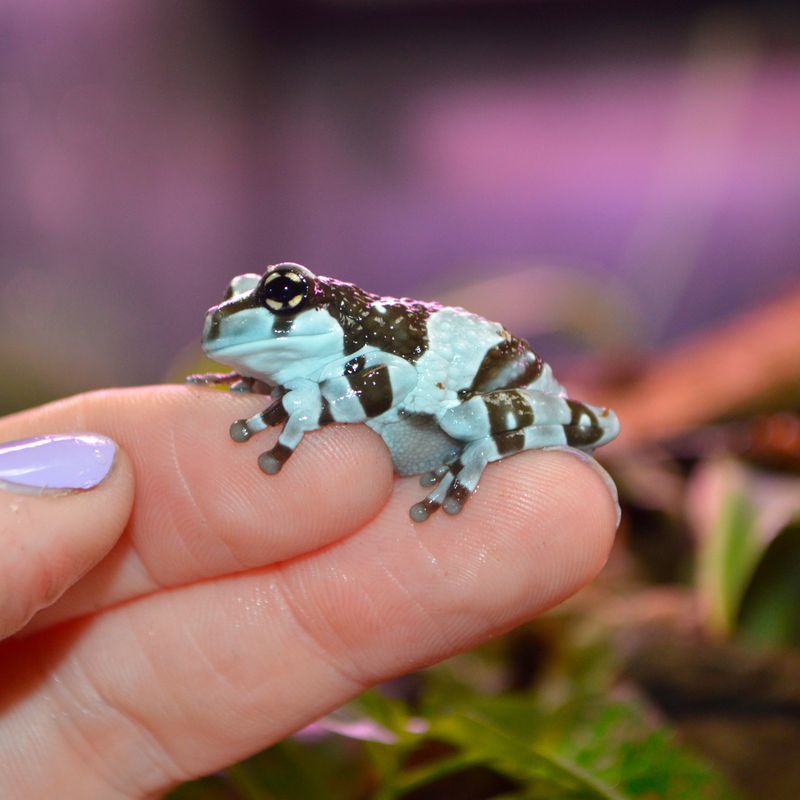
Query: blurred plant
{"x": 709, "y": 472}
{"x": 748, "y": 527}
{"x": 460, "y": 731}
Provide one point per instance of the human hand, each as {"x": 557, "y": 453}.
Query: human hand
{"x": 189, "y": 610}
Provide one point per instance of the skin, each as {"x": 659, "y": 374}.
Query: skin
{"x": 190, "y": 611}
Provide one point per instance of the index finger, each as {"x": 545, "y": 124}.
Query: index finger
{"x": 202, "y": 506}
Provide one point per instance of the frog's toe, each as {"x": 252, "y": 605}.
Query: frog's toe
{"x": 434, "y": 476}
{"x": 421, "y": 511}
{"x": 273, "y": 460}
{"x": 269, "y": 464}
{"x": 465, "y": 474}
{"x": 451, "y": 506}
{"x": 457, "y": 496}
{"x": 240, "y": 431}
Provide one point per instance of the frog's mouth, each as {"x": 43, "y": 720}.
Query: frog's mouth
{"x": 296, "y": 346}
{"x": 254, "y": 340}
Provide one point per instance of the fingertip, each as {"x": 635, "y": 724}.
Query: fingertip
{"x": 52, "y": 538}
{"x": 203, "y": 508}
{"x": 539, "y": 527}
{"x": 554, "y": 520}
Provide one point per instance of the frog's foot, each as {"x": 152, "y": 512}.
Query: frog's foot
{"x": 419, "y": 512}
{"x": 242, "y": 429}
{"x": 450, "y": 494}
{"x": 215, "y": 379}
{"x": 242, "y": 386}
{"x": 458, "y": 481}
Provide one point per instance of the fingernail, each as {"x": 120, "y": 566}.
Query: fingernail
{"x": 55, "y": 463}
{"x": 598, "y": 468}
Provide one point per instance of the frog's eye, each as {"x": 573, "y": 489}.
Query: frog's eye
{"x": 284, "y": 291}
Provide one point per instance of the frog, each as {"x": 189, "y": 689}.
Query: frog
{"x": 447, "y": 390}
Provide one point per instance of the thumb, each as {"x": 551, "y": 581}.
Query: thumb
{"x": 64, "y": 501}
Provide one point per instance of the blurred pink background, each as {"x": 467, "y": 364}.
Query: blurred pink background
{"x": 151, "y": 150}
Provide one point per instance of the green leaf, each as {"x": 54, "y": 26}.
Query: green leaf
{"x": 430, "y": 773}
{"x": 563, "y": 739}
{"x": 770, "y": 609}
{"x": 737, "y": 512}
{"x": 512, "y": 753}
{"x": 292, "y": 770}
{"x": 213, "y": 787}
{"x": 728, "y": 559}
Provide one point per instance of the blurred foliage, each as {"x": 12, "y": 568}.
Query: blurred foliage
{"x": 769, "y": 613}
{"x": 458, "y": 730}
{"x": 749, "y": 552}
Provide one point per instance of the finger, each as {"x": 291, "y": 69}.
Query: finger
{"x": 203, "y": 508}
{"x": 270, "y": 650}
{"x": 64, "y": 501}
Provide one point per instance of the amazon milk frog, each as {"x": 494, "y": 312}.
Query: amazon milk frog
{"x": 447, "y": 390}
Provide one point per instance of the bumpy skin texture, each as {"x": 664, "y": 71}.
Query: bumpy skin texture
{"x": 447, "y": 390}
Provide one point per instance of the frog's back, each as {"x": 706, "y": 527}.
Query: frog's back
{"x": 398, "y": 326}
{"x": 467, "y": 354}
{"x": 452, "y": 349}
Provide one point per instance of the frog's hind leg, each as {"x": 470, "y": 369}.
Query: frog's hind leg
{"x": 457, "y": 481}
{"x": 499, "y": 424}
{"x": 553, "y": 417}
{"x": 479, "y": 420}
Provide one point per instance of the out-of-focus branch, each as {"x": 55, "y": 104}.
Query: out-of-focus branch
{"x": 730, "y": 369}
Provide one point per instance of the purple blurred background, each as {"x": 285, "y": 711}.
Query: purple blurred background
{"x": 150, "y": 150}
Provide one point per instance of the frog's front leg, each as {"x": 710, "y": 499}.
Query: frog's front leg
{"x": 503, "y": 422}
{"x": 274, "y": 414}
{"x": 300, "y": 409}
{"x": 360, "y": 393}
{"x": 213, "y": 378}
{"x": 364, "y": 391}
{"x": 243, "y": 385}
{"x": 234, "y": 381}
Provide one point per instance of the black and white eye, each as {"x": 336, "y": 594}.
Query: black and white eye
{"x": 284, "y": 291}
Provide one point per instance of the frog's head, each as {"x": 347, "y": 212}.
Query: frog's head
{"x": 267, "y": 323}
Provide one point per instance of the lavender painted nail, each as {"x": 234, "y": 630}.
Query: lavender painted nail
{"x": 56, "y": 463}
